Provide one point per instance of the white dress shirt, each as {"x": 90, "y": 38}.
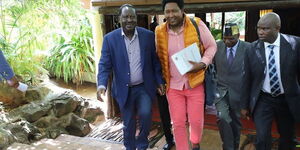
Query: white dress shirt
{"x": 276, "y": 49}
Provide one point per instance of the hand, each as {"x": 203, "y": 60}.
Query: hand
{"x": 245, "y": 114}
{"x": 197, "y": 66}
{"x": 161, "y": 89}
{"x": 101, "y": 91}
{"x": 13, "y": 82}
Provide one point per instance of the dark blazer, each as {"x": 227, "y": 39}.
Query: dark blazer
{"x": 255, "y": 69}
{"x": 229, "y": 77}
{"x": 5, "y": 70}
{"x": 114, "y": 58}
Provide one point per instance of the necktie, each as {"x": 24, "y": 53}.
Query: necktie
{"x": 230, "y": 56}
{"x": 273, "y": 75}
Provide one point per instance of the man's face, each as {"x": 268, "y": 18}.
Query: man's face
{"x": 267, "y": 31}
{"x": 230, "y": 40}
{"x": 173, "y": 14}
{"x": 128, "y": 19}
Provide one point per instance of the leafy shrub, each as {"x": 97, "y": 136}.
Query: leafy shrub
{"x": 29, "y": 29}
{"x": 70, "y": 59}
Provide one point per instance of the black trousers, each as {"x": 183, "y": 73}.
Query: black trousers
{"x": 229, "y": 124}
{"x": 267, "y": 109}
{"x": 163, "y": 107}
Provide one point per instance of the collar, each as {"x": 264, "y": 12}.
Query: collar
{"x": 234, "y": 47}
{"x": 134, "y": 35}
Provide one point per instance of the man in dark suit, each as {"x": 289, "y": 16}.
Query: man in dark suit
{"x": 271, "y": 85}
{"x": 7, "y": 73}
{"x": 228, "y": 60}
{"x": 129, "y": 52}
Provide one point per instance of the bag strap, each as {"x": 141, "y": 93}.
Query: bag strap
{"x": 198, "y": 32}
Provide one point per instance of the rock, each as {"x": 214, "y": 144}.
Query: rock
{"x": 52, "y": 126}
{"x": 32, "y": 131}
{"x": 36, "y": 93}
{"x": 31, "y": 112}
{"x": 91, "y": 114}
{"x": 22, "y": 132}
{"x": 47, "y": 114}
{"x": 78, "y": 126}
{"x": 46, "y": 122}
{"x": 11, "y": 96}
{"x": 3, "y": 117}
{"x": 90, "y": 110}
{"x": 64, "y": 106}
{"x": 54, "y": 132}
{"x": 6, "y": 138}
{"x": 67, "y": 124}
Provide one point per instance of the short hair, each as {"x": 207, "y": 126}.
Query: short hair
{"x": 125, "y": 5}
{"x": 231, "y": 29}
{"x": 180, "y": 3}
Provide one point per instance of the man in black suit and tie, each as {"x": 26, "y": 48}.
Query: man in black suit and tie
{"x": 228, "y": 60}
{"x": 271, "y": 85}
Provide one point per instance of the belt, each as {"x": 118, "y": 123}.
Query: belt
{"x": 132, "y": 86}
{"x": 270, "y": 95}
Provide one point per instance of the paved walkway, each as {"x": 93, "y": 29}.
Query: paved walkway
{"x": 210, "y": 141}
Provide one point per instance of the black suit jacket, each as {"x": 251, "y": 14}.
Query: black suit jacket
{"x": 255, "y": 69}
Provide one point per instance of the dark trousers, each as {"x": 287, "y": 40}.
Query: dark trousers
{"x": 229, "y": 124}
{"x": 163, "y": 107}
{"x": 138, "y": 103}
{"x": 267, "y": 109}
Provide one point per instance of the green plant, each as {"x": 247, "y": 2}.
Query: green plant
{"x": 71, "y": 58}
{"x": 217, "y": 33}
{"x": 18, "y": 42}
{"x": 31, "y": 28}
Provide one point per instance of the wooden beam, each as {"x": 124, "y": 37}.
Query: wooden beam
{"x": 210, "y": 7}
{"x": 111, "y": 3}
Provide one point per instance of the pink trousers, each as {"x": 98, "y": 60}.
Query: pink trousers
{"x": 187, "y": 106}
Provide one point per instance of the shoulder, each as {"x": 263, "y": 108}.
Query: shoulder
{"x": 144, "y": 31}
{"x": 287, "y": 36}
{"x": 251, "y": 47}
{"x": 220, "y": 43}
{"x": 200, "y": 23}
{"x": 116, "y": 32}
{"x": 161, "y": 28}
{"x": 255, "y": 43}
{"x": 293, "y": 40}
{"x": 245, "y": 43}
{"x": 220, "y": 47}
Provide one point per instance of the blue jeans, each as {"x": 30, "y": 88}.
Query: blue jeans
{"x": 138, "y": 103}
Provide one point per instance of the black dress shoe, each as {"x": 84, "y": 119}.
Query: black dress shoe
{"x": 196, "y": 148}
{"x": 168, "y": 146}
